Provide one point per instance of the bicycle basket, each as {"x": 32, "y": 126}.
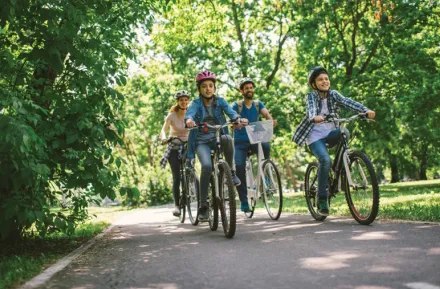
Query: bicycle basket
{"x": 260, "y": 131}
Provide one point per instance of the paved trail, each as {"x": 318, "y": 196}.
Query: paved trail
{"x": 151, "y": 249}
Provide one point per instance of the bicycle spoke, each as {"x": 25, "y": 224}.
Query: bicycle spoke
{"x": 363, "y": 197}
{"x": 192, "y": 201}
{"x": 271, "y": 190}
{"x": 311, "y": 188}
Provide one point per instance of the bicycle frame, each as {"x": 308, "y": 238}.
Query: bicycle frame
{"x": 252, "y": 184}
{"x": 342, "y": 159}
{"x": 216, "y": 155}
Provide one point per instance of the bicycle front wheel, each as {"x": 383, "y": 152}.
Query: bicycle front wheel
{"x": 182, "y": 206}
{"x": 193, "y": 197}
{"x": 271, "y": 191}
{"x": 311, "y": 190}
{"x": 251, "y": 192}
{"x": 227, "y": 197}
{"x": 363, "y": 197}
{"x": 212, "y": 208}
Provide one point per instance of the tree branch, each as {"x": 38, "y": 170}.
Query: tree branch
{"x": 243, "y": 64}
{"x": 370, "y": 55}
{"x": 341, "y": 35}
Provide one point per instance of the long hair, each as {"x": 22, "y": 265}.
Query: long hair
{"x": 175, "y": 108}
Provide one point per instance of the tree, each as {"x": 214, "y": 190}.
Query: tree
{"x": 59, "y": 61}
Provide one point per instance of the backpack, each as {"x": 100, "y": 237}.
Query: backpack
{"x": 256, "y": 102}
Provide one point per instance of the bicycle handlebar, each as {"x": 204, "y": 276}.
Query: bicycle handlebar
{"x": 332, "y": 118}
{"x": 216, "y": 127}
{"x": 171, "y": 138}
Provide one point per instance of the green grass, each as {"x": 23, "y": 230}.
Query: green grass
{"x": 23, "y": 260}
{"x": 416, "y": 201}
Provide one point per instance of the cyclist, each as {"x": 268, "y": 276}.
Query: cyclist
{"x": 175, "y": 124}
{"x": 209, "y": 108}
{"x": 321, "y": 102}
{"x": 250, "y": 109}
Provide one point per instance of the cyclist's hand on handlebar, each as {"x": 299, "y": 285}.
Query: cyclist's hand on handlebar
{"x": 164, "y": 141}
{"x": 318, "y": 119}
{"x": 240, "y": 123}
{"x": 275, "y": 122}
{"x": 190, "y": 123}
{"x": 371, "y": 114}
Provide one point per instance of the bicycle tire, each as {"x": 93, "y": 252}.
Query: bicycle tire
{"x": 228, "y": 205}
{"x": 311, "y": 189}
{"x": 193, "y": 196}
{"x": 252, "y": 200}
{"x": 273, "y": 196}
{"x": 252, "y": 205}
{"x": 212, "y": 208}
{"x": 364, "y": 202}
{"x": 182, "y": 206}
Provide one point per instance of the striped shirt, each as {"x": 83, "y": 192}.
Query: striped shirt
{"x": 314, "y": 106}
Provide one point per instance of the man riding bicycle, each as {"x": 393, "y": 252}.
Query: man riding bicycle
{"x": 250, "y": 109}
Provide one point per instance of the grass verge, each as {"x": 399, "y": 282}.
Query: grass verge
{"x": 23, "y": 260}
{"x": 416, "y": 201}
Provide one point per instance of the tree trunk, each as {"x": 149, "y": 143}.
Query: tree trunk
{"x": 394, "y": 169}
{"x": 424, "y": 162}
{"x": 291, "y": 176}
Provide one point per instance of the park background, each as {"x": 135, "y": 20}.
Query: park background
{"x": 85, "y": 87}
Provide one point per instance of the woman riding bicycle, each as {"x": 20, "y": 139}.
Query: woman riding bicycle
{"x": 174, "y": 122}
{"x": 320, "y": 103}
{"x": 209, "y": 108}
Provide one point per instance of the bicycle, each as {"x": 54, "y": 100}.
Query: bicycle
{"x": 267, "y": 178}
{"x": 221, "y": 195}
{"x": 189, "y": 186}
{"x": 351, "y": 171}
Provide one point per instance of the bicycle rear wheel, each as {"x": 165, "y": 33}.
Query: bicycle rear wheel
{"x": 227, "y": 197}
{"x": 212, "y": 208}
{"x": 311, "y": 189}
{"x": 363, "y": 198}
{"x": 272, "y": 194}
{"x": 193, "y": 197}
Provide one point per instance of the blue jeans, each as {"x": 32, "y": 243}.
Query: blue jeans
{"x": 203, "y": 152}
{"x": 241, "y": 151}
{"x": 319, "y": 149}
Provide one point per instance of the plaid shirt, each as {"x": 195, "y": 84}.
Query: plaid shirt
{"x": 334, "y": 101}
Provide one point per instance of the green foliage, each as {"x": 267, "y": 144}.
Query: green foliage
{"x": 367, "y": 58}
{"x": 59, "y": 62}
{"x": 23, "y": 260}
{"x": 68, "y": 136}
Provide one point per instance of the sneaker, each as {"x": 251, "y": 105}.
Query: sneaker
{"x": 176, "y": 211}
{"x": 235, "y": 179}
{"x": 203, "y": 213}
{"x": 323, "y": 207}
{"x": 245, "y": 207}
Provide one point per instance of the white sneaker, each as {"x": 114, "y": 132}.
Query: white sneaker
{"x": 176, "y": 211}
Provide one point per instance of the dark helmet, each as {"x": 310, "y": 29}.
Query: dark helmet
{"x": 314, "y": 72}
{"x": 181, "y": 93}
{"x": 205, "y": 75}
{"x": 246, "y": 80}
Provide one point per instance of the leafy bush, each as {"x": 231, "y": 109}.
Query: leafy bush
{"x": 58, "y": 108}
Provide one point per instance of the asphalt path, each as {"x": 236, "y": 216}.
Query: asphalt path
{"x": 151, "y": 249}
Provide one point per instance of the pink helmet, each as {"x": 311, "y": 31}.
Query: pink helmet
{"x": 205, "y": 75}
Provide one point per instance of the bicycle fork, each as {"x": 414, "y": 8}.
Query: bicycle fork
{"x": 346, "y": 161}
